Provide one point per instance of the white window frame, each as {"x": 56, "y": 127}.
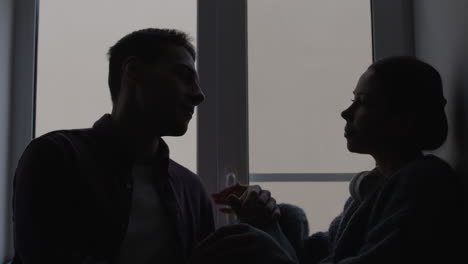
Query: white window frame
{"x": 223, "y": 155}
{"x": 21, "y": 99}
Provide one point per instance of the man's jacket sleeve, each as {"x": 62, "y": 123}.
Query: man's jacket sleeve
{"x": 42, "y": 206}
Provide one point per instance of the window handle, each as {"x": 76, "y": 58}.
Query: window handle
{"x": 231, "y": 179}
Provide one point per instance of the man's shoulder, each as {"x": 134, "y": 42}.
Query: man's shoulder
{"x": 64, "y": 145}
{"x": 66, "y": 138}
{"x": 178, "y": 170}
{"x": 52, "y": 151}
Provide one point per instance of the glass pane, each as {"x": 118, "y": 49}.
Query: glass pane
{"x": 321, "y": 201}
{"x": 74, "y": 37}
{"x": 305, "y": 58}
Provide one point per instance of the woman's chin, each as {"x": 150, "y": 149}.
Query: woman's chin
{"x": 355, "y": 148}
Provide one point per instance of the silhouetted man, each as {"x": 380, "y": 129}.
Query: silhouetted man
{"x": 111, "y": 193}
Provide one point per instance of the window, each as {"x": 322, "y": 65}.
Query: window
{"x": 305, "y": 58}
{"x": 74, "y": 37}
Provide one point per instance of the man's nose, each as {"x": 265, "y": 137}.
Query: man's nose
{"x": 198, "y": 96}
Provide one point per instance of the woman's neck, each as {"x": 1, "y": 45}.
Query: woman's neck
{"x": 390, "y": 162}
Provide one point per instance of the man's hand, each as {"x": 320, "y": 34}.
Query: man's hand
{"x": 239, "y": 244}
{"x": 251, "y": 204}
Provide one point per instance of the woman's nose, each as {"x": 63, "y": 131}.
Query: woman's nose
{"x": 346, "y": 114}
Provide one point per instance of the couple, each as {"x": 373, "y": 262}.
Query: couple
{"x": 111, "y": 194}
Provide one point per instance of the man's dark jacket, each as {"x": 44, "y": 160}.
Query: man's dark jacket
{"x": 73, "y": 192}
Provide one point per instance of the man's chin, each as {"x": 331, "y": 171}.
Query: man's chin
{"x": 178, "y": 131}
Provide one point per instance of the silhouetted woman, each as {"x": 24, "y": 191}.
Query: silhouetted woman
{"x": 405, "y": 210}
{"x": 408, "y": 208}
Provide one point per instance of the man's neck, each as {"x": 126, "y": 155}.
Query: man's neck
{"x": 142, "y": 145}
{"x": 145, "y": 151}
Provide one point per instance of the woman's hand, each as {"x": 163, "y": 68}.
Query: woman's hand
{"x": 250, "y": 203}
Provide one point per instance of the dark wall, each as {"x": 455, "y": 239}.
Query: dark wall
{"x": 441, "y": 38}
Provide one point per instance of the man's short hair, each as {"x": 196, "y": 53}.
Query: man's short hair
{"x": 147, "y": 45}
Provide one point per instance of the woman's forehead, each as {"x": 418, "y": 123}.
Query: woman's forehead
{"x": 369, "y": 85}
{"x": 365, "y": 84}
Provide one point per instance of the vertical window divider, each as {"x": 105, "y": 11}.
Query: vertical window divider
{"x": 222, "y": 150}
{"x": 22, "y": 97}
{"x": 392, "y": 28}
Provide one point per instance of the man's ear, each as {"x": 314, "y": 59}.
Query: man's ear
{"x": 131, "y": 67}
